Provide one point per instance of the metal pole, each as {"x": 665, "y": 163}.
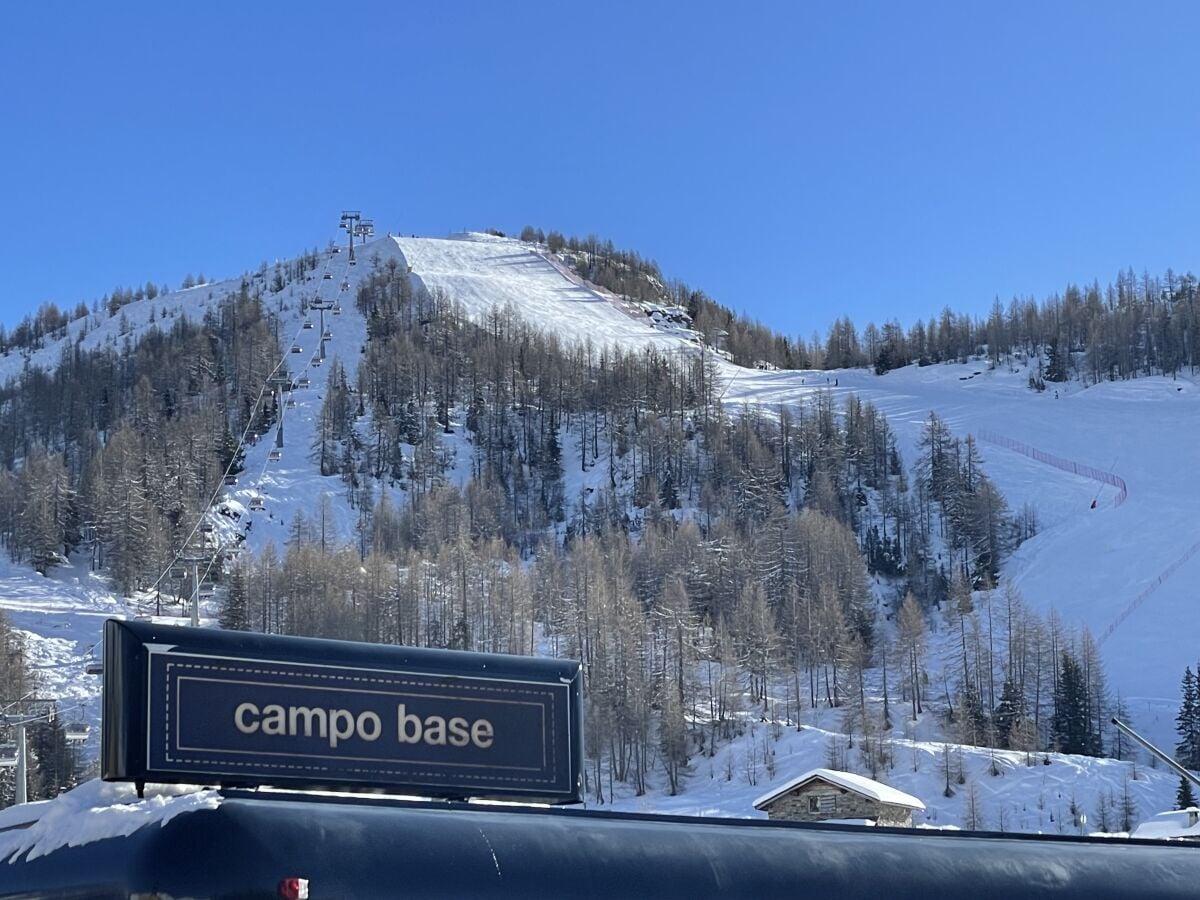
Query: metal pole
{"x": 279, "y": 408}
{"x": 1176, "y": 767}
{"x": 195, "y": 595}
{"x": 22, "y": 792}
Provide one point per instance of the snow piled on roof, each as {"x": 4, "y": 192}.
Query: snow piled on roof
{"x": 1173, "y": 824}
{"x": 92, "y": 812}
{"x": 859, "y": 784}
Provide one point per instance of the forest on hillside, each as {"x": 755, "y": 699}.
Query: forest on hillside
{"x": 699, "y": 561}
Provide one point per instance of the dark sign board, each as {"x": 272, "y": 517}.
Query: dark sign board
{"x": 205, "y": 706}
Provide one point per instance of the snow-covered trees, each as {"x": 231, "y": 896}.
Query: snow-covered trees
{"x": 512, "y": 494}
{"x": 973, "y": 516}
{"x": 53, "y": 766}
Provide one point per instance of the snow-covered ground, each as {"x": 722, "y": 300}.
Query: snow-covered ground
{"x": 1122, "y": 570}
{"x": 1027, "y": 795}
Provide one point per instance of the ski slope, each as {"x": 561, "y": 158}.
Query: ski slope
{"x": 1123, "y": 571}
{"x": 1090, "y": 565}
{"x": 483, "y": 273}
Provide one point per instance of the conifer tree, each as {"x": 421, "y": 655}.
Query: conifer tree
{"x": 1010, "y": 714}
{"x": 1184, "y": 798}
{"x": 235, "y": 611}
{"x": 1187, "y": 722}
{"x": 1070, "y": 727}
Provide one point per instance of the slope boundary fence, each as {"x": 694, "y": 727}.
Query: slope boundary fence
{"x": 1146, "y": 592}
{"x": 1058, "y": 462}
{"x": 1122, "y": 493}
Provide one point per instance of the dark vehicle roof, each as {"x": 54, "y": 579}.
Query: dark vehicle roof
{"x": 353, "y": 847}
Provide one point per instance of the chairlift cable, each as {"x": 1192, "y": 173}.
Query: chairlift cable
{"x": 240, "y": 447}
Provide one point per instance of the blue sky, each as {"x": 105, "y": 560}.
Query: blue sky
{"x": 798, "y": 161}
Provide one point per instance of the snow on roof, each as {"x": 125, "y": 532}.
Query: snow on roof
{"x": 862, "y": 823}
{"x": 859, "y": 784}
{"x": 1173, "y": 824}
{"x": 92, "y": 812}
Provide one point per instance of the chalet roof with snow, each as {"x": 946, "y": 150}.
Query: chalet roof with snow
{"x": 1178, "y": 823}
{"x": 859, "y": 784}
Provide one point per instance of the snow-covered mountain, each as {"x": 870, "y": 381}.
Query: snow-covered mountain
{"x": 1107, "y": 467}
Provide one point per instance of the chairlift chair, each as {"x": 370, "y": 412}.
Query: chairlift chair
{"x": 8, "y": 755}
{"x": 257, "y": 504}
{"x": 327, "y": 336}
{"x": 291, "y": 404}
{"x": 206, "y": 527}
{"x": 230, "y": 480}
{"x": 337, "y": 310}
{"x": 77, "y": 732}
{"x": 275, "y": 455}
{"x": 95, "y": 667}
{"x": 178, "y": 573}
{"x": 296, "y": 348}
{"x": 328, "y": 276}
{"x": 307, "y": 324}
{"x": 316, "y": 361}
{"x": 304, "y": 383}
